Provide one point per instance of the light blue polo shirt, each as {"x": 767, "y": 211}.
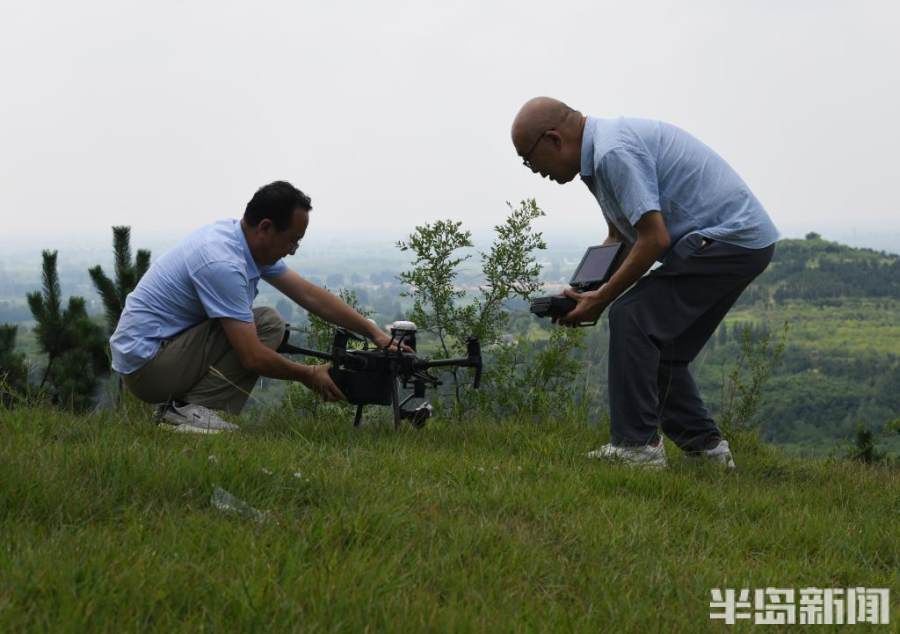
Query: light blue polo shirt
{"x": 208, "y": 275}
{"x": 633, "y": 166}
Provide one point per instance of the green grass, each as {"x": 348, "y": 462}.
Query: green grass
{"x": 107, "y": 526}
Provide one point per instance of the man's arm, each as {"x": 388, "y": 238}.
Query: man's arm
{"x": 613, "y": 234}
{"x": 326, "y": 305}
{"x": 652, "y": 241}
{"x": 258, "y": 358}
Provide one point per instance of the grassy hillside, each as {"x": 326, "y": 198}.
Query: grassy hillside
{"x": 485, "y": 525}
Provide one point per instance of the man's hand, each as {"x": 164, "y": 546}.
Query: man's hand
{"x": 590, "y": 306}
{"x": 382, "y": 340}
{"x": 319, "y": 381}
{"x": 652, "y": 242}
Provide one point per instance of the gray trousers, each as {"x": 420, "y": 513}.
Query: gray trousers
{"x": 199, "y": 366}
{"x": 659, "y": 326}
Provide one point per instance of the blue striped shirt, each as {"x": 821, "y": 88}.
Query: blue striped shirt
{"x": 633, "y": 166}
{"x": 209, "y": 275}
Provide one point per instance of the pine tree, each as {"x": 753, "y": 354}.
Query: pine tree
{"x": 127, "y": 274}
{"x": 74, "y": 345}
{"x": 865, "y": 449}
{"x": 13, "y": 371}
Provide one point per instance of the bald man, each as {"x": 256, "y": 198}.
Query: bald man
{"x": 670, "y": 199}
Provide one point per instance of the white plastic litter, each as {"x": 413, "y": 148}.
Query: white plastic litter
{"x": 228, "y": 503}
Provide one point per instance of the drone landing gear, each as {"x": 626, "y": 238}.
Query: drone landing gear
{"x": 417, "y": 416}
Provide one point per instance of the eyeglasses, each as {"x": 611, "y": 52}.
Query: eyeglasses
{"x": 525, "y": 157}
{"x": 294, "y": 244}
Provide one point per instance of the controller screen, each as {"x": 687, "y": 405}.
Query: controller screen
{"x": 595, "y": 264}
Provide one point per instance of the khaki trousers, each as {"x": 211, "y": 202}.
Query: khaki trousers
{"x": 199, "y": 366}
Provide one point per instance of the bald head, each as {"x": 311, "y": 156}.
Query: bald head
{"x": 537, "y": 116}
{"x": 547, "y": 136}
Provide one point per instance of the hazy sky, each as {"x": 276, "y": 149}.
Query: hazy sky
{"x": 166, "y": 115}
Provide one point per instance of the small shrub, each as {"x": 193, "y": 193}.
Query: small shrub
{"x": 439, "y": 307}
{"x": 743, "y": 387}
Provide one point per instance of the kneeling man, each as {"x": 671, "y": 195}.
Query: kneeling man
{"x": 189, "y": 337}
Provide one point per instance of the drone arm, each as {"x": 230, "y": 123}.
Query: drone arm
{"x": 447, "y": 363}
{"x": 473, "y": 360}
{"x": 287, "y": 348}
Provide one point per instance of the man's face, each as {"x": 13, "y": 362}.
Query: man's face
{"x": 551, "y": 156}
{"x": 278, "y": 244}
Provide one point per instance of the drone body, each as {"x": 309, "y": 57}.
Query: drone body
{"x": 376, "y": 376}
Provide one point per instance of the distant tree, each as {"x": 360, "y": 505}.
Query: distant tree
{"x": 382, "y": 277}
{"x": 893, "y": 425}
{"x": 864, "y": 449}
{"x": 812, "y": 235}
{"x": 13, "y": 371}
{"x": 74, "y": 345}
{"x": 363, "y": 295}
{"x": 127, "y": 275}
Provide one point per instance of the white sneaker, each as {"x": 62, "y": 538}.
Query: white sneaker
{"x": 652, "y": 456}
{"x": 721, "y": 453}
{"x": 192, "y": 419}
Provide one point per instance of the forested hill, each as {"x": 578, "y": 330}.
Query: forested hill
{"x": 817, "y": 269}
{"x": 841, "y": 362}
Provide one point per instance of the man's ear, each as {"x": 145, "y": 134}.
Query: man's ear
{"x": 264, "y": 225}
{"x": 555, "y": 138}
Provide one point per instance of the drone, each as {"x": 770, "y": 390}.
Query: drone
{"x": 375, "y": 376}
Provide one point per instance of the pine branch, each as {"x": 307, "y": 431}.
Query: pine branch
{"x": 114, "y": 292}
{"x": 112, "y": 302}
{"x": 141, "y": 264}
{"x": 36, "y": 305}
{"x": 51, "y": 283}
{"x": 122, "y": 253}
